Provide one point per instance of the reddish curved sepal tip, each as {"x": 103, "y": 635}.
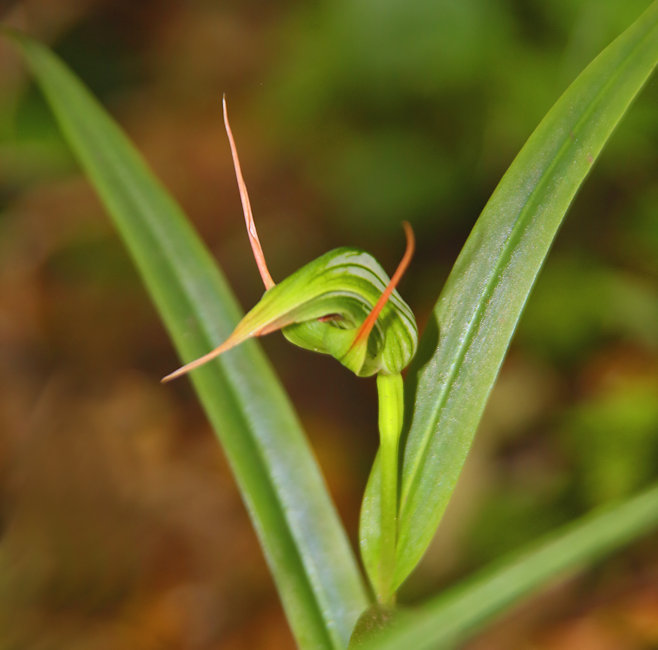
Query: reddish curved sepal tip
{"x": 365, "y": 329}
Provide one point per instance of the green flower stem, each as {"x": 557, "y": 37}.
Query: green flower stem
{"x": 391, "y": 410}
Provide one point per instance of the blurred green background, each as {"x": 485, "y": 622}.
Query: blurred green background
{"x": 120, "y": 524}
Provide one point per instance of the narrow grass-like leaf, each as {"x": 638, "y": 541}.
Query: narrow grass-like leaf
{"x": 481, "y": 303}
{"x": 304, "y": 543}
{"x": 460, "y": 611}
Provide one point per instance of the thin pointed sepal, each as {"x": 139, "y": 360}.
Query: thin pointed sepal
{"x": 230, "y": 342}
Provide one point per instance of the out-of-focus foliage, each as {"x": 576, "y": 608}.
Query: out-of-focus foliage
{"x": 610, "y": 435}
{"x": 596, "y": 303}
{"x": 350, "y": 116}
{"x": 430, "y": 99}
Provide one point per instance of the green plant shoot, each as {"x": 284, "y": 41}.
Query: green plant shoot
{"x": 342, "y": 304}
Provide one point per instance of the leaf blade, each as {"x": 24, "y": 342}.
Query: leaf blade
{"x": 484, "y": 296}
{"x": 457, "y": 613}
{"x": 314, "y": 568}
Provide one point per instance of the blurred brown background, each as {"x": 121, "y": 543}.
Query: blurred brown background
{"x": 121, "y": 525}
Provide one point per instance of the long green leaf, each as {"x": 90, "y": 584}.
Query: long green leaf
{"x": 484, "y": 296}
{"x": 459, "y": 612}
{"x": 304, "y": 543}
